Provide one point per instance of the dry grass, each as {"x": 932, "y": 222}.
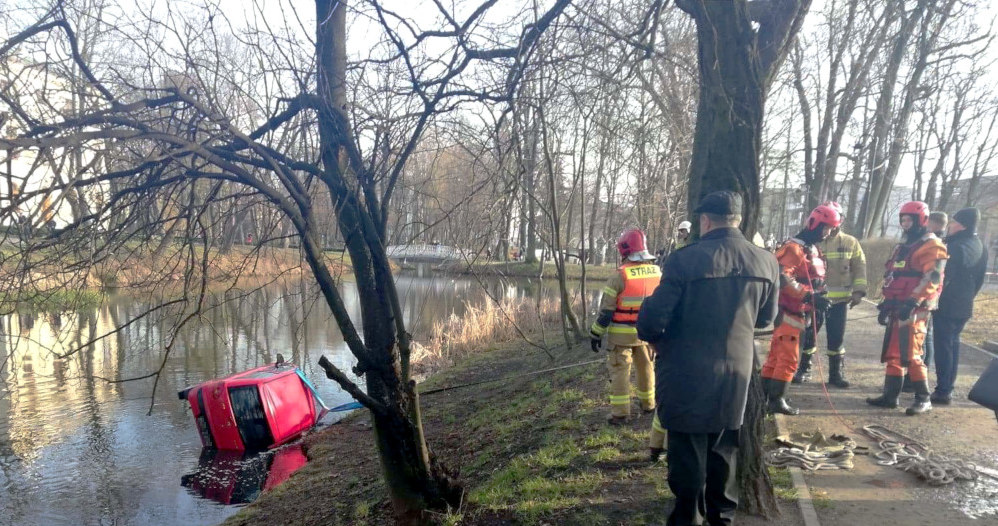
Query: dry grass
{"x": 482, "y": 327}
{"x": 878, "y": 251}
{"x": 982, "y": 326}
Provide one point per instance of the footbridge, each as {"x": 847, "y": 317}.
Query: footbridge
{"x": 425, "y": 253}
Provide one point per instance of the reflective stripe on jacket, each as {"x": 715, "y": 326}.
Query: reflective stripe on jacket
{"x": 622, "y": 298}
{"x": 846, "y": 270}
{"x": 640, "y": 281}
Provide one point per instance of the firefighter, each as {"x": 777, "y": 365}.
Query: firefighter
{"x": 846, "y": 281}
{"x": 912, "y": 283}
{"x": 636, "y": 279}
{"x": 682, "y": 236}
{"x": 802, "y": 291}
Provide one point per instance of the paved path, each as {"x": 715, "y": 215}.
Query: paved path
{"x": 872, "y": 494}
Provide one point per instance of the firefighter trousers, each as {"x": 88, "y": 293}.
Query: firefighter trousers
{"x": 784, "y": 349}
{"x": 656, "y": 438}
{"x": 619, "y": 362}
{"x": 904, "y": 342}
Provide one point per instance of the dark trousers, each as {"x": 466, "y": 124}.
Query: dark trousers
{"x": 834, "y": 322}
{"x": 808, "y": 338}
{"x": 946, "y": 334}
{"x": 703, "y": 477}
{"x": 929, "y": 349}
{"x": 835, "y": 327}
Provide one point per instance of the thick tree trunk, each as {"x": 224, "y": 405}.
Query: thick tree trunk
{"x": 737, "y": 63}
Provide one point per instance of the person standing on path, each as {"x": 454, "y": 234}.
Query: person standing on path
{"x": 802, "y": 292}
{"x": 701, "y": 320}
{"x": 968, "y": 261}
{"x": 622, "y": 298}
{"x": 911, "y": 289}
{"x": 937, "y": 225}
{"x": 846, "y": 281}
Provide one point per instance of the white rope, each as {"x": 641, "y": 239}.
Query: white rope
{"x": 810, "y": 460}
{"x": 908, "y": 454}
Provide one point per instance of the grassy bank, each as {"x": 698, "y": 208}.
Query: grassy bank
{"x": 530, "y": 450}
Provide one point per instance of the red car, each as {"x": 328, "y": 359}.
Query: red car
{"x": 253, "y": 410}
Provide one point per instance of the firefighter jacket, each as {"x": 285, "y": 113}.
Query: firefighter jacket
{"x": 846, "y": 272}
{"x": 701, "y": 320}
{"x": 915, "y": 272}
{"x": 802, "y": 272}
{"x": 622, "y": 298}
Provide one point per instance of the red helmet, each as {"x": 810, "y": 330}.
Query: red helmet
{"x": 918, "y": 209}
{"x": 632, "y": 245}
{"x": 835, "y": 206}
{"x": 824, "y": 214}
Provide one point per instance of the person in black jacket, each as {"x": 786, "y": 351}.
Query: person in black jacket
{"x": 701, "y": 320}
{"x": 968, "y": 261}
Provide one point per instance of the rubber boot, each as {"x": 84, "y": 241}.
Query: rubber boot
{"x": 922, "y": 403}
{"x": 775, "y": 402}
{"x": 907, "y": 387}
{"x": 655, "y": 453}
{"x": 892, "y": 390}
{"x": 836, "y": 364}
{"x": 803, "y": 373}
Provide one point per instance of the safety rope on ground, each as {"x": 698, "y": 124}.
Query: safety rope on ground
{"x": 910, "y": 455}
{"x": 812, "y": 460}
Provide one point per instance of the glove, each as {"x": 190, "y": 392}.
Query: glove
{"x": 820, "y": 302}
{"x": 857, "y": 298}
{"x": 904, "y": 311}
{"x": 594, "y": 342}
{"x": 883, "y": 318}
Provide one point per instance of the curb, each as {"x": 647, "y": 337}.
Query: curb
{"x": 804, "y": 499}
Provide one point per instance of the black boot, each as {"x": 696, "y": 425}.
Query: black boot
{"x": 655, "y": 453}
{"x": 907, "y": 387}
{"x": 775, "y": 402}
{"x": 803, "y": 373}
{"x": 836, "y": 364}
{"x": 892, "y": 390}
{"x": 922, "y": 403}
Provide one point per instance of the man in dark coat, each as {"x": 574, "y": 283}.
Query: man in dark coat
{"x": 701, "y": 320}
{"x": 968, "y": 261}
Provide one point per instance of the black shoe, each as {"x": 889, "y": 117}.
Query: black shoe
{"x": 892, "y": 389}
{"x": 836, "y": 378}
{"x": 617, "y": 420}
{"x": 655, "y": 453}
{"x": 776, "y": 403}
{"x": 907, "y": 387}
{"x": 803, "y": 373}
{"x": 941, "y": 399}
{"x": 922, "y": 403}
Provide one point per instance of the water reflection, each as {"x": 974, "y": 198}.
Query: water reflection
{"x": 235, "y": 477}
{"x": 77, "y": 445}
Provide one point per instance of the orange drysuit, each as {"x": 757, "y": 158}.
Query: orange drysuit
{"x": 914, "y": 278}
{"x": 802, "y": 272}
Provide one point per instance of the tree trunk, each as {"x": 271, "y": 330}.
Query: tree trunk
{"x": 737, "y": 62}
{"x": 415, "y": 481}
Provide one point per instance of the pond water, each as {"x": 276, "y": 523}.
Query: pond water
{"x": 79, "y": 447}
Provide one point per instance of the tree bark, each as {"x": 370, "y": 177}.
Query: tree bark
{"x": 737, "y": 63}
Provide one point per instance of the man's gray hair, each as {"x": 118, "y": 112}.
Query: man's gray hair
{"x": 727, "y": 219}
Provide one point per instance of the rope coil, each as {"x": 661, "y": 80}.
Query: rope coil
{"x": 910, "y": 455}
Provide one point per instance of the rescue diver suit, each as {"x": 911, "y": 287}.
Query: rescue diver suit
{"x": 802, "y": 284}
{"x": 622, "y": 298}
{"x": 912, "y": 284}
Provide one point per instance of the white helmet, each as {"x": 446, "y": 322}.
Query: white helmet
{"x": 685, "y": 225}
